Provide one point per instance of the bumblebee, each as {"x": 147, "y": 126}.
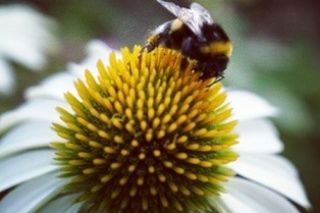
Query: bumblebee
{"x": 197, "y": 36}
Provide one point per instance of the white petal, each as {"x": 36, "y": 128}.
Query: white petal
{"x": 53, "y": 87}
{"x": 28, "y": 135}
{"x": 74, "y": 208}
{"x": 99, "y": 47}
{"x": 25, "y": 166}
{"x": 36, "y": 110}
{"x": 26, "y": 37}
{"x": 247, "y": 105}
{"x": 245, "y": 196}
{"x": 234, "y": 204}
{"x": 257, "y": 136}
{"x": 96, "y": 50}
{"x": 6, "y": 78}
{"x": 31, "y": 195}
{"x": 275, "y": 172}
{"x": 60, "y": 205}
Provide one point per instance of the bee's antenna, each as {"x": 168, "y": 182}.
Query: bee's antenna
{"x": 219, "y": 78}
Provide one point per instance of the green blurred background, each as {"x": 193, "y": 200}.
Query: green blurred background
{"x": 276, "y": 55}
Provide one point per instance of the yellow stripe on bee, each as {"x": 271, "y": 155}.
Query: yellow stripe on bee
{"x": 219, "y": 47}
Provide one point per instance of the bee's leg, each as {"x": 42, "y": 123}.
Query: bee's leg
{"x": 152, "y": 42}
{"x": 148, "y": 47}
{"x": 218, "y": 78}
{"x": 186, "y": 46}
{"x": 184, "y": 63}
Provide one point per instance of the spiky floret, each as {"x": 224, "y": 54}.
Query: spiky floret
{"x": 146, "y": 136}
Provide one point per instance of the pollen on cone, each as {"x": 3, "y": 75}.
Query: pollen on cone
{"x": 145, "y": 135}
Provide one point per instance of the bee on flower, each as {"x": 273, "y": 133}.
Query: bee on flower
{"x": 139, "y": 132}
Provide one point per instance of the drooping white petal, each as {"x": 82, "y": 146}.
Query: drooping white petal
{"x": 35, "y": 110}
{"x": 53, "y": 87}
{"x": 26, "y": 136}
{"x": 272, "y": 171}
{"x": 62, "y": 204}
{"x": 97, "y": 50}
{"x": 25, "y": 36}
{"x": 248, "y": 197}
{"x": 22, "y": 52}
{"x": 247, "y": 105}
{"x": 257, "y": 136}
{"x": 6, "y": 78}
{"x": 31, "y": 195}
{"x": 25, "y": 166}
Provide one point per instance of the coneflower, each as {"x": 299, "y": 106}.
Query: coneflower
{"x": 142, "y": 134}
{"x": 147, "y": 135}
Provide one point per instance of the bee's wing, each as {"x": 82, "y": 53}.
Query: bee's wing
{"x": 193, "y": 17}
{"x": 162, "y": 28}
{"x": 203, "y": 11}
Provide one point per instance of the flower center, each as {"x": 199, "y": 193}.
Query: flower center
{"x": 146, "y": 135}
